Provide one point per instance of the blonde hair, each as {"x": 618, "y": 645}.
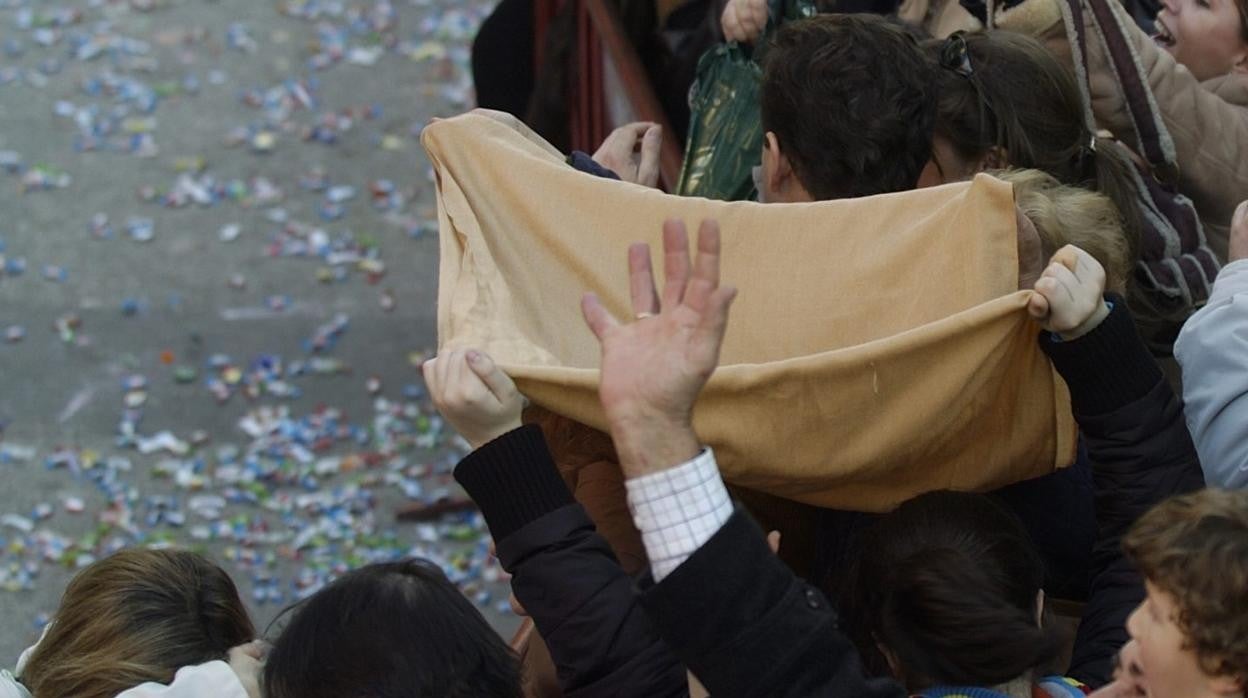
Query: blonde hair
{"x": 136, "y": 616}
{"x": 1066, "y": 215}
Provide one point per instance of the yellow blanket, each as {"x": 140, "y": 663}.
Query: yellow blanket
{"x": 878, "y": 347}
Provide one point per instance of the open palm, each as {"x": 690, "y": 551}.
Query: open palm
{"x": 654, "y": 368}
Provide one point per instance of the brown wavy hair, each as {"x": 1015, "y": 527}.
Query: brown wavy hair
{"x": 1195, "y": 548}
{"x": 137, "y": 616}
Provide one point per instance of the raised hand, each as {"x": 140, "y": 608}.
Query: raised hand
{"x": 1239, "y": 234}
{"x": 654, "y": 368}
{"x": 632, "y": 152}
{"x": 473, "y": 394}
{"x": 1069, "y": 298}
{"x": 744, "y": 20}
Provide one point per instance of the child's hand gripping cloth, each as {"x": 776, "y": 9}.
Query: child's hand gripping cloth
{"x": 878, "y": 347}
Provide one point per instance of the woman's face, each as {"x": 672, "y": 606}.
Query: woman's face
{"x": 1206, "y": 36}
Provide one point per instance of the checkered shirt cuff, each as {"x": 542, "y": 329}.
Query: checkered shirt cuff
{"x": 678, "y": 510}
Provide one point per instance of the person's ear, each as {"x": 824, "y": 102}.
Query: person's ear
{"x": 1040, "y": 605}
{"x": 894, "y": 664}
{"x": 1240, "y": 66}
{"x": 997, "y": 158}
{"x": 776, "y": 166}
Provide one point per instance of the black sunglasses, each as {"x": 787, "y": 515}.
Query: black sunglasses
{"x": 956, "y": 56}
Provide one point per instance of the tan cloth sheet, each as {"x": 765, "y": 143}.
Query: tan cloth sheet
{"x": 877, "y": 349}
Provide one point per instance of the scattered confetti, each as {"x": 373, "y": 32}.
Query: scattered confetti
{"x": 248, "y": 437}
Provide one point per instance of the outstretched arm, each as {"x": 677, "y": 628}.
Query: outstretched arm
{"x": 743, "y": 623}
{"x": 563, "y": 572}
{"x": 1133, "y": 426}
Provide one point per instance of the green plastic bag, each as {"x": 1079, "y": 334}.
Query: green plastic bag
{"x": 725, "y": 130}
{"x": 725, "y": 127}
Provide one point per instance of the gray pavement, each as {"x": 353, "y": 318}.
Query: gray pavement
{"x": 57, "y": 394}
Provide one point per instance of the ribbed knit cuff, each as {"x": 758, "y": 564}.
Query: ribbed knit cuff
{"x": 514, "y": 481}
{"x": 1108, "y": 367}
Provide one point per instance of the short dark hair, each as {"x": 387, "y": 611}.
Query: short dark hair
{"x": 948, "y": 583}
{"x": 390, "y": 630}
{"x": 852, "y": 101}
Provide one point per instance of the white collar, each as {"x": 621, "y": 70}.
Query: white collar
{"x": 9, "y": 685}
{"x": 10, "y": 688}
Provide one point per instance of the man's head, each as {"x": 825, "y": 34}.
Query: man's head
{"x": 1190, "y": 635}
{"x": 848, "y": 106}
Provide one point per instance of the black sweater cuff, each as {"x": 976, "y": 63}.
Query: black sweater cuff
{"x": 586, "y": 163}
{"x": 1107, "y": 368}
{"x": 514, "y": 481}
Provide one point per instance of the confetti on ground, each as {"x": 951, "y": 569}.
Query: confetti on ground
{"x": 273, "y": 421}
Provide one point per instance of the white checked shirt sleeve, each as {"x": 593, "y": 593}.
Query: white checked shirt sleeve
{"x": 678, "y": 510}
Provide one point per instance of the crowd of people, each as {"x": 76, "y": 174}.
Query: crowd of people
{"x": 951, "y": 593}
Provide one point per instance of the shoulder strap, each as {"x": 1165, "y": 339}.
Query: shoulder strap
{"x": 1154, "y": 141}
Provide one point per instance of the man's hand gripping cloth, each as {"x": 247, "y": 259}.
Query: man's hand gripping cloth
{"x": 878, "y": 347}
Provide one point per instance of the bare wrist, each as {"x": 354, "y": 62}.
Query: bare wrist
{"x": 1090, "y": 324}
{"x": 651, "y": 445}
{"x": 492, "y": 435}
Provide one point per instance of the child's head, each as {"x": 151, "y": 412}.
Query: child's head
{"x": 1209, "y": 37}
{"x": 947, "y": 588}
{"x": 1191, "y": 632}
{"x": 390, "y": 630}
{"x": 136, "y": 616}
{"x": 1067, "y": 215}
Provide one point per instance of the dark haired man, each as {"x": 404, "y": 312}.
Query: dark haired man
{"x": 848, "y": 107}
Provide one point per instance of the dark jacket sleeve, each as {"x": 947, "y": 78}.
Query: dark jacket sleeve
{"x": 745, "y": 625}
{"x": 586, "y": 163}
{"x": 1141, "y": 454}
{"x": 565, "y": 575}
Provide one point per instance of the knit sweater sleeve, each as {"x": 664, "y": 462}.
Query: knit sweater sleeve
{"x": 513, "y": 480}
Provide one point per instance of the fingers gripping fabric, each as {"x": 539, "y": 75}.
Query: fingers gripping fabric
{"x": 877, "y": 349}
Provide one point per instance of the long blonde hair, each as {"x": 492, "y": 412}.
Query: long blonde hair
{"x": 136, "y": 616}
